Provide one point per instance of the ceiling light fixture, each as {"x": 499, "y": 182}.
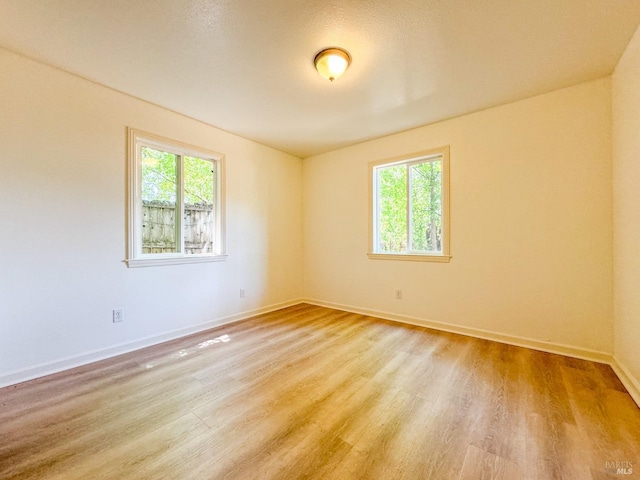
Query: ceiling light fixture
{"x": 331, "y": 63}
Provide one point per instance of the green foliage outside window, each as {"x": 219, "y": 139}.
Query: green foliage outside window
{"x": 409, "y": 193}
{"x": 159, "y": 178}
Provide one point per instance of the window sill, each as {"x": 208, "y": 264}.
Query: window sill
{"x": 411, "y": 257}
{"x": 157, "y": 261}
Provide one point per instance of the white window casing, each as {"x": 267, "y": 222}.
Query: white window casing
{"x": 406, "y": 247}
{"x": 136, "y": 256}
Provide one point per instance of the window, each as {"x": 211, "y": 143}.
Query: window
{"x": 175, "y": 202}
{"x": 409, "y": 207}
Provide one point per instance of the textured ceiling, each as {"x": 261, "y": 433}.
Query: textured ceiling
{"x": 246, "y": 65}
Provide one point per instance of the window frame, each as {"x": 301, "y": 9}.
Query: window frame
{"x": 135, "y": 258}
{"x": 441, "y": 153}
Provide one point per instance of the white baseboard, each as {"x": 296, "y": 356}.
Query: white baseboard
{"x": 630, "y": 382}
{"x": 567, "y": 350}
{"x": 101, "y": 354}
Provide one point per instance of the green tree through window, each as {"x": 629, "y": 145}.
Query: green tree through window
{"x": 410, "y": 203}
{"x": 175, "y": 202}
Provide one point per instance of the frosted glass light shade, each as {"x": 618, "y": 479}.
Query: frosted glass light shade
{"x": 331, "y": 63}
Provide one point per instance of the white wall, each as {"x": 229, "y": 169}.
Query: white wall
{"x": 531, "y": 224}
{"x": 62, "y": 190}
{"x": 626, "y": 188}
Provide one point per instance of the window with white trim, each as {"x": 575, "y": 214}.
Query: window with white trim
{"x": 175, "y": 202}
{"x": 409, "y": 207}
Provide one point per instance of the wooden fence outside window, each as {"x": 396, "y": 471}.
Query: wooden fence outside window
{"x": 159, "y": 228}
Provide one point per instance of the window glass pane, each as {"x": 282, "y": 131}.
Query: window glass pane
{"x": 392, "y": 209}
{"x": 159, "y": 184}
{"x": 426, "y": 207}
{"x": 199, "y": 221}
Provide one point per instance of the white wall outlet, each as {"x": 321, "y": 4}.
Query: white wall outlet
{"x": 242, "y": 293}
{"x": 398, "y": 294}
{"x": 118, "y": 315}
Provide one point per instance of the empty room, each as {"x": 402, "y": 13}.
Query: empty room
{"x": 323, "y": 240}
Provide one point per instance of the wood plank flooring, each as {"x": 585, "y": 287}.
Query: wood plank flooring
{"x": 310, "y": 392}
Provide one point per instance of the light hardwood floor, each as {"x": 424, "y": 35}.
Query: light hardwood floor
{"x": 310, "y": 392}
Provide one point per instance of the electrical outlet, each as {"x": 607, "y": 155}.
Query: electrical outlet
{"x": 242, "y": 293}
{"x": 118, "y": 315}
{"x": 398, "y": 294}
